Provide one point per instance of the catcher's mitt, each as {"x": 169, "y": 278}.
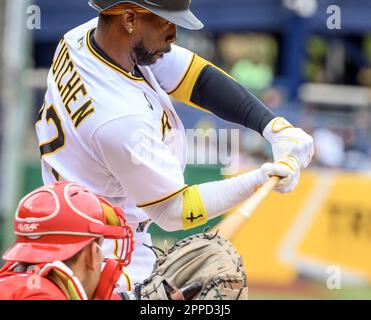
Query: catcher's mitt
{"x": 200, "y": 267}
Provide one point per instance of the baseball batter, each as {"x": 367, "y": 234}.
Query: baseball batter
{"x": 108, "y": 123}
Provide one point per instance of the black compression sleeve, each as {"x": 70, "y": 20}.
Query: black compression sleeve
{"x": 221, "y": 95}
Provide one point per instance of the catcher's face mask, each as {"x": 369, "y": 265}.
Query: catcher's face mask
{"x": 55, "y": 222}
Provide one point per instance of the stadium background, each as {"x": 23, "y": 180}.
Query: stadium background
{"x": 295, "y": 245}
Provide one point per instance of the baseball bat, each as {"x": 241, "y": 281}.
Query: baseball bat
{"x": 233, "y": 223}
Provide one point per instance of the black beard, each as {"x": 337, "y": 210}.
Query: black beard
{"x": 145, "y": 57}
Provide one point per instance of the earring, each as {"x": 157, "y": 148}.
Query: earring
{"x": 130, "y": 30}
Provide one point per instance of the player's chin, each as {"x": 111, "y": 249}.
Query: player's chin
{"x": 156, "y": 57}
{"x": 161, "y": 53}
{"x": 150, "y": 59}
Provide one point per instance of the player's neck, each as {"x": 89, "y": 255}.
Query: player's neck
{"x": 116, "y": 50}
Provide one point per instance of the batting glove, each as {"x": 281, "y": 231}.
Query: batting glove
{"x": 289, "y": 141}
{"x": 286, "y": 168}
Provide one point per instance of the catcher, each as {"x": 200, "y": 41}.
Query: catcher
{"x": 57, "y": 255}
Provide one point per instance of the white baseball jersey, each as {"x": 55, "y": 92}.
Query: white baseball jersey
{"x": 114, "y": 132}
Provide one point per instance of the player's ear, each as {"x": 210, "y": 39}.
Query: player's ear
{"x": 89, "y": 256}
{"x": 93, "y": 256}
{"x": 128, "y": 19}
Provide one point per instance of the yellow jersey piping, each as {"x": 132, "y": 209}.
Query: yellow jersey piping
{"x": 106, "y": 62}
{"x": 184, "y": 76}
{"x": 163, "y": 198}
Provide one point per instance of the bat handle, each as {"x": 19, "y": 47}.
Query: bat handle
{"x": 230, "y": 225}
{"x": 254, "y": 201}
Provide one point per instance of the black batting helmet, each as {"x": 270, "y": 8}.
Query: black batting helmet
{"x": 174, "y": 11}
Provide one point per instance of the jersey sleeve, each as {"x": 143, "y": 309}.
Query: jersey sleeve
{"x": 199, "y": 83}
{"x": 177, "y": 73}
{"x": 136, "y": 156}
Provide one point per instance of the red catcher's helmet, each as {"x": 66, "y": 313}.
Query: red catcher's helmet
{"x": 56, "y": 221}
